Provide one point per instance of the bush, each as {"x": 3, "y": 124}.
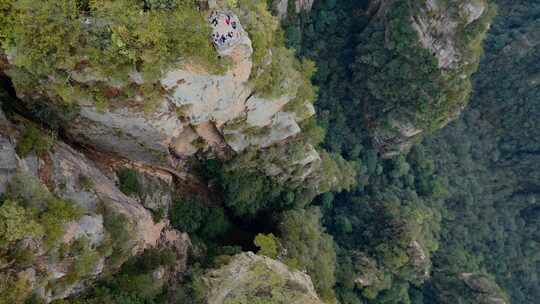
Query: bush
{"x": 52, "y": 38}
{"x": 216, "y": 223}
{"x": 134, "y": 283}
{"x": 34, "y": 140}
{"x": 128, "y": 182}
{"x": 86, "y": 183}
{"x": 191, "y": 216}
{"x": 58, "y": 212}
{"x": 28, "y": 191}
{"x": 118, "y": 228}
{"x": 17, "y": 223}
{"x": 275, "y": 68}
{"x": 13, "y": 290}
{"x": 309, "y": 248}
{"x": 268, "y": 245}
{"x": 150, "y": 260}
{"x": 85, "y": 261}
{"x": 187, "y": 215}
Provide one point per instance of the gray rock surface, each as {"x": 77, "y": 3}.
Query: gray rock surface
{"x": 62, "y": 170}
{"x": 437, "y": 28}
{"x": 282, "y": 7}
{"x": 197, "y": 111}
{"x": 128, "y": 132}
{"x": 450, "y": 32}
{"x": 249, "y": 277}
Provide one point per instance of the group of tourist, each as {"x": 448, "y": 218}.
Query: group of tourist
{"x": 225, "y": 28}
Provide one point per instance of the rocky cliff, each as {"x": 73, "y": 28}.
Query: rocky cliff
{"x": 251, "y": 278}
{"x": 185, "y": 109}
{"x": 432, "y": 48}
{"x": 135, "y": 87}
{"x": 282, "y": 7}
{"x": 105, "y": 226}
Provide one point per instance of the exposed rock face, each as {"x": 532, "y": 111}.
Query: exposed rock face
{"x": 195, "y": 111}
{"x": 397, "y": 139}
{"x": 180, "y": 243}
{"x": 368, "y": 273}
{"x": 282, "y": 7}
{"x": 62, "y": 170}
{"x": 419, "y": 259}
{"x": 250, "y": 278}
{"x": 68, "y": 166}
{"x": 437, "y": 27}
{"x": 452, "y": 32}
{"x": 128, "y": 132}
{"x": 8, "y": 156}
{"x": 155, "y": 193}
{"x": 486, "y": 291}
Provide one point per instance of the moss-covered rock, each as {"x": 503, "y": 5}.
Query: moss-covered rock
{"x": 151, "y": 80}
{"x": 414, "y": 66}
{"x": 250, "y": 278}
{"x": 63, "y": 222}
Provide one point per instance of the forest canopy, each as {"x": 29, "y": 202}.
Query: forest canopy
{"x": 450, "y": 216}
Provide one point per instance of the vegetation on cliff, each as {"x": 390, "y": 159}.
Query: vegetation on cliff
{"x": 455, "y": 219}
{"x": 106, "y": 40}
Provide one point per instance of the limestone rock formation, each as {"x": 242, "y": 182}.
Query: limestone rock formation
{"x": 70, "y": 175}
{"x": 282, "y": 7}
{"x": 194, "y": 111}
{"x": 452, "y": 33}
{"x": 437, "y": 28}
{"x": 250, "y": 278}
{"x": 485, "y": 290}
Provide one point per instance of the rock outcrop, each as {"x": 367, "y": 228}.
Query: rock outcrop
{"x": 452, "y": 33}
{"x": 282, "y": 7}
{"x": 250, "y": 278}
{"x": 485, "y": 290}
{"x": 194, "y": 111}
{"x": 437, "y": 25}
{"x": 70, "y": 175}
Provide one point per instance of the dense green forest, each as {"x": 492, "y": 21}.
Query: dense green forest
{"x": 454, "y": 220}
{"x": 467, "y": 194}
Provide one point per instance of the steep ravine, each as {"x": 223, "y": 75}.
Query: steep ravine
{"x": 138, "y": 132}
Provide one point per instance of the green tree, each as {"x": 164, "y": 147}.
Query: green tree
{"x": 268, "y": 245}
{"x": 308, "y": 247}
{"x": 17, "y": 223}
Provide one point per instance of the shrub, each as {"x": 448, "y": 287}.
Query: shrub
{"x": 28, "y": 191}
{"x": 268, "y": 245}
{"x": 85, "y": 260}
{"x": 86, "y": 183}
{"x": 33, "y": 139}
{"x": 118, "y": 227}
{"x": 58, "y": 212}
{"x": 17, "y": 223}
{"x": 150, "y": 260}
{"x": 191, "y": 216}
{"x": 49, "y": 39}
{"x": 142, "y": 286}
{"x": 45, "y": 214}
{"x": 309, "y": 247}
{"x": 134, "y": 283}
{"x": 23, "y": 256}
{"x": 187, "y": 215}
{"x": 216, "y": 223}
{"x": 13, "y": 290}
{"x": 128, "y": 182}
{"x": 275, "y": 68}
